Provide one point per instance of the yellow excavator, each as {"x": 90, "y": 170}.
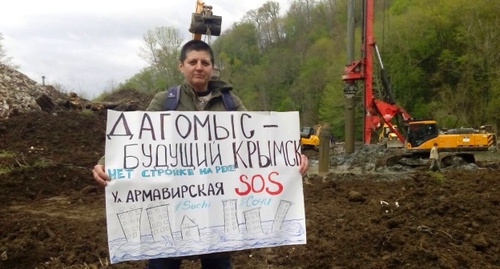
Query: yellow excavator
{"x": 461, "y": 142}
{"x": 453, "y": 144}
{"x": 309, "y": 137}
{"x": 388, "y": 138}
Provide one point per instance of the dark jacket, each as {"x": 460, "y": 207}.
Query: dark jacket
{"x": 188, "y": 99}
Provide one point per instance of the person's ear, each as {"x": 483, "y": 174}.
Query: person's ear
{"x": 180, "y": 66}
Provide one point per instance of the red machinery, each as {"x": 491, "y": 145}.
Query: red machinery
{"x": 377, "y": 111}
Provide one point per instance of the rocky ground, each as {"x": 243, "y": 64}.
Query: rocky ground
{"x": 359, "y": 215}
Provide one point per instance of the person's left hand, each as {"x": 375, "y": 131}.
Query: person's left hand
{"x": 304, "y": 163}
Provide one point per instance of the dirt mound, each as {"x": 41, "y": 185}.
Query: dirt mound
{"x": 19, "y": 94}
{"x": 130, "y": 96}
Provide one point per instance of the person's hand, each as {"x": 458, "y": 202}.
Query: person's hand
{"x": 100, "y": 175}
{"x": 304, "y": 163}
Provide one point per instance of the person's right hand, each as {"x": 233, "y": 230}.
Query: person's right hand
{"x": 100, "y": 175}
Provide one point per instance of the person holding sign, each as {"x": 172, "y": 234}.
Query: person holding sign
{"x": 198, "y": 93}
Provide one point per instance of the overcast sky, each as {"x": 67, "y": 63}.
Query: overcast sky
{"x": 90, "y": 46}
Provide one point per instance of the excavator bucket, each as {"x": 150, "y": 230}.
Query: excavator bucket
{"x": 204, "y": 25}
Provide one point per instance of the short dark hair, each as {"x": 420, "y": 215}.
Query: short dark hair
{"x": 196, "y": 45}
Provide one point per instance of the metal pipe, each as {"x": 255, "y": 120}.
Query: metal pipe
{"x": 350, "y": 89}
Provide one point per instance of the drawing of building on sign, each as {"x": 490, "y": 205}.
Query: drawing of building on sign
{"x": 280, "y": 215}
{"x": 159, "y": 222}
{"x": 230, "y": 217}
{"x": 130, "y": 222}
{"x": 189, "y": 229}
{"x": 253, "y": 221}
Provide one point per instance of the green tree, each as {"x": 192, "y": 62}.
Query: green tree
{"x": 147, "y": 80}
{"x": 268, "y": 23}
{"x": 161, "y": 50}
{"x": 443, "y": 59}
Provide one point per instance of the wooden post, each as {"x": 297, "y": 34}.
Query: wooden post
{"x": 324, "y": 151}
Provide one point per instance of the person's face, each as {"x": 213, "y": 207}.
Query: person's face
{"x": 197, "y": 69}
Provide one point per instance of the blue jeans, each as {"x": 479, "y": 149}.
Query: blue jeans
{"x": 223, "y": 262}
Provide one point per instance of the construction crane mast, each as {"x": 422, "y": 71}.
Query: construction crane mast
{"x": 376, "y": 112}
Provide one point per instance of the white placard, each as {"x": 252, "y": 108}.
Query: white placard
{"x": 190, "y": 183}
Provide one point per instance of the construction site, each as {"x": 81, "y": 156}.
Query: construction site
{"x": 359, "y": 214}
{"x": 373, "y": 203}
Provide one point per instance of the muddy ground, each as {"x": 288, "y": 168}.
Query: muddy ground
{"x": 53, "y": 215}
